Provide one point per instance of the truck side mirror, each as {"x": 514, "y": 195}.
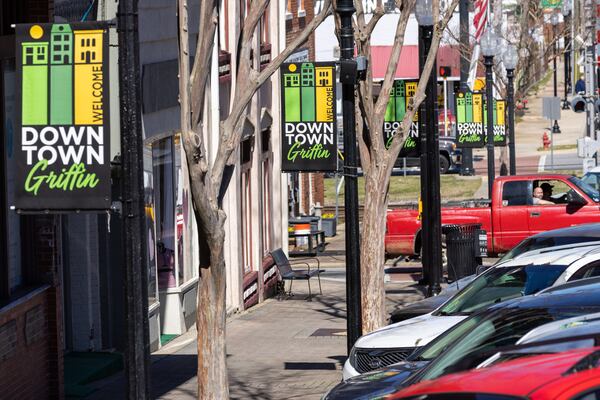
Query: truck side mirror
{"x": 575, "y": 199}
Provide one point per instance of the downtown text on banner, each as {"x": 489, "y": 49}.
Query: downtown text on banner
{"x": 400, "y": 96}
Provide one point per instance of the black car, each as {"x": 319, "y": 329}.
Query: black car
{"x": 472, "y": 341}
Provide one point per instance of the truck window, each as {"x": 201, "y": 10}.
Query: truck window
{"x": 516, "y": 193}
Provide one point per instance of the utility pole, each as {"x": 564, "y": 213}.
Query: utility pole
{"x": 348, "y": 77}
{"x": 137, "y": 354}
{"x": 467, "y": 153}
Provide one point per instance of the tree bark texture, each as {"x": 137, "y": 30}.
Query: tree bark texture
{"x": 207, "y": 181}
{"x": 377, "y": 160}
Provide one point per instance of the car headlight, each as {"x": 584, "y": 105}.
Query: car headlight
{"x": 352, "y": 357}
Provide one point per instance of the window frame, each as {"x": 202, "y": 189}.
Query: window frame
{"x": 528, "y": 194}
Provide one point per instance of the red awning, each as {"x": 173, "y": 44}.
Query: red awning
{"x": 408, "y": 66}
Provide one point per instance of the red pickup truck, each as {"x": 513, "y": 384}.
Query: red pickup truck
{"x": 508, "y": 218}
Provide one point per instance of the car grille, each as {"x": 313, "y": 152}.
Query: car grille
{"x": 371, "y": 359}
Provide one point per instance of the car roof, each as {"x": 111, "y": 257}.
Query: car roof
{"x": 517, "y": 377}
{"x": 576, "y": 326}
{"x": 584, "y": 297}
{"x": 591, "y": 230}
{"x": 573, "y": 286}
{"x": 563, "y": 256}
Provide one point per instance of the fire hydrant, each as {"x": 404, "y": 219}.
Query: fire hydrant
{"x": 546, "y": 140}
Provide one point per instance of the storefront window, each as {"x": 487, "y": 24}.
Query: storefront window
{"x": 150, "y": 229}
{"x": 164, "y": 206}
{"x": 179, "y": 220}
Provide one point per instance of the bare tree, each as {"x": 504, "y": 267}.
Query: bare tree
{"x": 207, "y": 174}
{"x": 377, "y": 160}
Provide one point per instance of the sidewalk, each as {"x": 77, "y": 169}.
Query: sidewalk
{"x": 531, "y": 127}
{"x": 291, "y": 349}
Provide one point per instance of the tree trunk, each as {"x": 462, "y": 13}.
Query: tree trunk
{"x": 210, "y": 321}
{"x": 372, "y": 249}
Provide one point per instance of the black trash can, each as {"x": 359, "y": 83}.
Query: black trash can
{"x": 462, "y": 249}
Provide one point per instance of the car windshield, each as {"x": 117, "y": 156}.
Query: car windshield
{"x": 499, "y": 284}
{"x": 587, "y": 189}
{"x": 502, "y": 328}
{"x": 536, "y": 243}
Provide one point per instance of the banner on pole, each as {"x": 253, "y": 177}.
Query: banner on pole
{"x": 551, "y": 3}
{"x": 469, "y": 119}
{"x": 62, "y": 148}
{"x": 401, "y": 94}
{"x": 499, "y": 124}
{"x": 308, "y": 117}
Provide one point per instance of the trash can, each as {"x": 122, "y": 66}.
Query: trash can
{"x": 462, "y": 249}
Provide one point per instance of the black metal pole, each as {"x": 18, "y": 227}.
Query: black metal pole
{"x": 555, "y": 127}
{"x": 510, "y": 99}
{"x": 567, "y": 61}
{"x": 489, "y": 89}
{"x": 137, "y": 354}
{"x": 345, "y": 9}
{"x": 430, "y": 172}
{"x": 466, "y": 167}
{"x": 424, "y": 45}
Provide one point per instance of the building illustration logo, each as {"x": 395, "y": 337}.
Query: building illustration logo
{"x": 308, "y": 94}
{"x": 401, "y": 94}
{"x": 499, "y": 122}
{"x": 63, "y": 148}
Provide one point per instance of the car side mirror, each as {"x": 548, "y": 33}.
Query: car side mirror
{"x": 575, "y": 199}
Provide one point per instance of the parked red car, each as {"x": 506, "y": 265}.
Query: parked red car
{"x": 508, "y": 218}
{"x": 573, "y": 375}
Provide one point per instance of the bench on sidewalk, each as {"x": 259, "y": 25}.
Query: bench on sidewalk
{"x": 288, "y": 273}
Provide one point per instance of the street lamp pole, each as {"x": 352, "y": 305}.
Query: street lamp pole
{"x": 489, "y": 44}
{"x": 431, "y": 234}
{"x": 566, "y": 12}
{"x": 554, "y": 21}
{"x": 345, "y": 9}
{"x": 466, "y": 167}
{"x": 510, "y": 59}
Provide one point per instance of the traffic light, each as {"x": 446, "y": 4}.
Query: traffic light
{"x": 578, "y": 104}
{"x": 445, "y": 71}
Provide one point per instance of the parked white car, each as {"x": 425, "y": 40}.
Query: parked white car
{"x": 528, "y": 274}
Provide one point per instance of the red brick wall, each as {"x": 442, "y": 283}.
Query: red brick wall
{"x": 26, "y": 363}
{"x": 294, "y": 25}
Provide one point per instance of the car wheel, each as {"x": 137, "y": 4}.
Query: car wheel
{"x": 444, "y": 164}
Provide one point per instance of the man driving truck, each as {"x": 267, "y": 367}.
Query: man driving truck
{"x": 538, "y": 196}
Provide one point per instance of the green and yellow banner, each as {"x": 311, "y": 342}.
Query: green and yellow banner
{"x": 62, "y": 149}
{"x": 401, "y": 94}
{"x": 471, "y": 120}
{"x": 551, "y": 3}
{"x": 308, "y": 115}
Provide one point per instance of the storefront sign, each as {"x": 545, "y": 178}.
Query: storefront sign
{"x": 62, "y": 149}
{"x": 401, "y": 94}
{"x": 469, "y": 119}
{"x": 499, "y": 122}
{"x": 308, "y": 117}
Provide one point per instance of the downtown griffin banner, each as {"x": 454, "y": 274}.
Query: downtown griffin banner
{"x": 498, "y": 124}
{"x": 471, "y": 120}
{"x": 401, "y": 94}
{"x": 62, "y": 149}
{"x": 308, "y": 116}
